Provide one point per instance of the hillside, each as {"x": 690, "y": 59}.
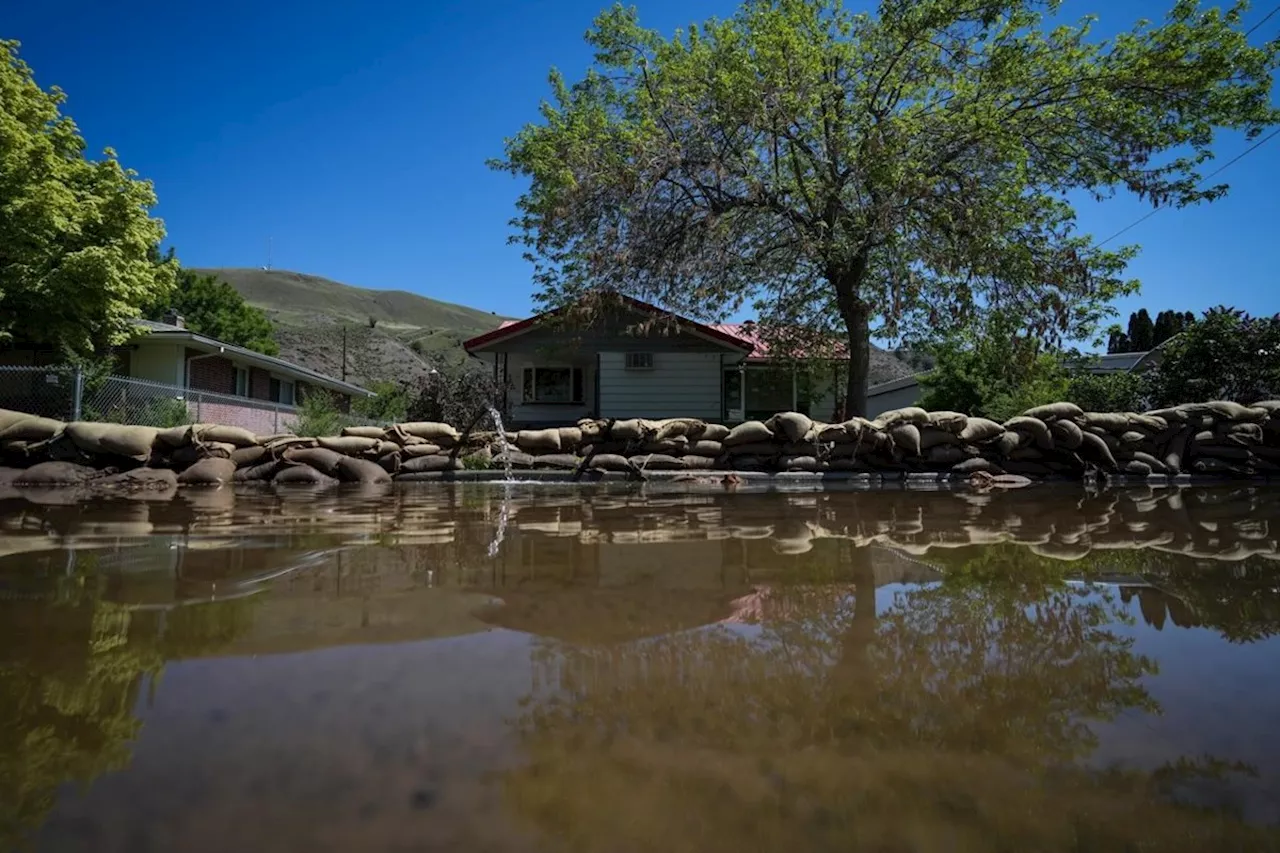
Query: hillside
{"x": 310, "y": 312}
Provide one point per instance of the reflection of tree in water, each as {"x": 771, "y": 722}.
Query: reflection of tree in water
{"x": 71, "y": 670}
{"x": 953, "y": 721}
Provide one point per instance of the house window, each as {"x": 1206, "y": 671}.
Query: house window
{"x": 639, "y": 361}
{"x": 242, "y": 382}
{"x": 282, "y": 391}
{"x": 552, "y": 385}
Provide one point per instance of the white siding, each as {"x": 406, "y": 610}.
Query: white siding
{"x": 896, "y": 399}
{"x": 681, "y": 384}
{"x": 158, "y": 362}
{"x": 522, "y": 412}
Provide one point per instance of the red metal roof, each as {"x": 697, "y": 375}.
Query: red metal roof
{"x": 511, "y": 328}
{"x": 760, "y": 347}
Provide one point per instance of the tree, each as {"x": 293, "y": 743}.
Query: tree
{"x": 1166, "y": 326}
{"x": 995, "y": 372}
{"x": 1117, "y": 341}
{"x": 216, "y": 309}
{"x": 389, "y": 404}
{"x": 74, "y": 233}
{"x": 1141, "y": 331}
{"x": 905, "y": 170}
{"x": 458, "y": 395}
{"x": 1227, "y": 355}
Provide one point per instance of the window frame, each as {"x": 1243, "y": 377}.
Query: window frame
{"x": 529, "y": 386}
{"x": 276, "y": 390}
{"x": 638, "y": 361}
{"x": 243, "y": 372}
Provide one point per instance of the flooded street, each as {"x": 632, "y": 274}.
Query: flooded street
{"x": 608, "y": 669}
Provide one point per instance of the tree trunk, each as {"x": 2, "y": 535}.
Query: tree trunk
{"x": 857, "y": 319}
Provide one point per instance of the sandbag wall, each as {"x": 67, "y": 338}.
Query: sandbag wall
{"x": 1216, "y": 438}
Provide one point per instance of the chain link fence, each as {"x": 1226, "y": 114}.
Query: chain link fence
{"x": 69, "y": 394}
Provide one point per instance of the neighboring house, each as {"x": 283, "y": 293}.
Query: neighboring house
{"x": 680, "y": 368}
{"x": 169, "y": 354}
{"x": 906, "y": 391}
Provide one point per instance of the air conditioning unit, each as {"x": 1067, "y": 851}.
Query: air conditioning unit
{"x": 639, "y": 361}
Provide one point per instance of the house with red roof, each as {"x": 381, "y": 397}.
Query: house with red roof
{"x": 627, "y": 365}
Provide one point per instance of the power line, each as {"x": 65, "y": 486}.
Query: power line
{"x": 1236, "y": 159}
{"x": 1265, "y": 18}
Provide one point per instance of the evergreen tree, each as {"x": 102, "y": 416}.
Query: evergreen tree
{"x": 1166, "y": 327}
{"x": 1141, "y": 331}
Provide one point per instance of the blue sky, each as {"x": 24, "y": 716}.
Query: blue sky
{"x": 355, "y": 136}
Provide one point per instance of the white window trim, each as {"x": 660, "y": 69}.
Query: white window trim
{"x": 534, "y": 401}
{"x": 248, "y": 380}
{"x": 293, "y": 394}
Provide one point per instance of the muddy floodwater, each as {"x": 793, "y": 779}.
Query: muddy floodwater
{"x": 478, "y": 667}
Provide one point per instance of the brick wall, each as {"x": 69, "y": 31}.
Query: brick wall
{"x": 259, "y": 384}
{"x": 215, "y": 373}
{"x": 260, "y": 421}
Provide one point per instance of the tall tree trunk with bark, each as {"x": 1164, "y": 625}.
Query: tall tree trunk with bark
{"x": 856, "y": 315}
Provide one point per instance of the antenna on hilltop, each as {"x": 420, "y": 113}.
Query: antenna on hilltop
{"x": 268, "y": 266}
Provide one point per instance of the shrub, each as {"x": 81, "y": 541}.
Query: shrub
{"x": 1108, "y": 392}
{"x": 318, "y": 414}
{"x": 1226, "y": 355}
{"x": 456, "y": 395}
{"x": 389, "y": 404}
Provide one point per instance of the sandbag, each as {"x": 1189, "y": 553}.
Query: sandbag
{"x": 351, "y": 445}
{"x": 826, "y": 433}
{"x": 610, "y": 462}
{"x": 570, "y": 438}
{"x": 631, "y": 429}
{"x": 802, "y": 448}
{"x": 1004, "y": 444}
{"x": 9, "y": 417}
{"x": 514, "y": 458}
{"x": 751, "y": 463}
{"x": 409, "y": 451}
{"x": 931, "y": 437}
{"x": 908, "y": 415}
{"x": 1217, "y": 466}
{"x": 799, "y": 463}
{"x": 1150, "y": 423}
{"x": 1244, "y": 434}
{"x": 676, "y": 446}
{"x": 1034, "y": 427}
{"x": 280, "y": 444}
{"x": 714, "y": 432}
{"x": 55, "y": 474}
{"x": 140, "y": 481}
{"x": 690, "y": 428}
{"x": 1094, "y": 449}
{"x": 1054, "y": 411}
{"x": 131, "y": 442}
{"x": 1137, "y": 468}
{"x": 657, "y": 462}
{"x": 238, "y": 436}
{"x": 437, "y": 433}
{"x": 846, "y": 464}
{"x": 362, "y": 471}
{"x": 757, "y": 448}
{"x": 384, "y": 447}
{"x": 429, "y": 464}
{"x": 557, "y": 461}
{"x": 979, "y": 430}
{"x": 593, "y": 429}
{"x": 1132, "y": 437}
{"x": 193, "y": 453}
{"x": 1170, "y": 415}
{"x": 1066, "y": 433}
{"x": 906, "y": 436}
{"x": 302, "y": 475}
{"x": 260, "y": 473}
{"x": 389, "y": 462}
{"x": 365, "y": 431}
{"x": 946, "y": 454}
{"x": 1176, "y": 450}
{"x": 213, "y": 471}
{"x": 975, "y": 464}
{"x": 952, "y": 422}
{"x": 538, "y": 440}
{"x": 245, "y": 457}
{"x": 31, "y": 428}
{"x": 1116, "y": 422}
{"x": 1272, "y": 406}
{"x": 791, "y": 426}
{"x": 705, "y": 448}
{"x": 322, "y": 459}
{"x": 748, "y": 432}
{"x": 856, "y": 430}
{"x": 1227, "y": 410}
{"x": 1151, "y": 462}
{"x": 694, "y": 462}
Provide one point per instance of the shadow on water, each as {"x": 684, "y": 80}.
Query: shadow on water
{"x": 685, "y": 670}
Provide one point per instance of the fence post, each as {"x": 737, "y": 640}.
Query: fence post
{"x": 275, "y": 420}
{"x": 77, "y": 393}
{"x": 199, "y": 419}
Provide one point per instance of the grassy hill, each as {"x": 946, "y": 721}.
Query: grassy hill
{"x": 310, "y": 313}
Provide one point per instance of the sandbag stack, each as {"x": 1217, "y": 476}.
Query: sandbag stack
{"x": 1219, "y": 438}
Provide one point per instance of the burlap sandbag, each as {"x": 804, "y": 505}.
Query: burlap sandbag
{"x": 1209, "y": 465}
{"x": 156, "y": 483}
{"x": 1272, "y": 406}
{"x": 1116, "y": 422}
{"x": 132, "y": 442}
{"x": 302, "y": 475}
{"x": 946, "y": 454}
{"x": 245, "y": 457}
{"x": 908, "y": 415}
{"x": 952, "y": 422}
{"x": 429, "y": 464}
{"x": 1148, "y": 423}
{"x": 1136, "y": 468}
{"x": 384, "y": 447}
{"x": 222, "y": 434}
{"x": 410, "y": 451}
{"x": 657, "y": 462}
{"x": 263, "y": 472}
{"x": 1095, "y": 450}
{"x": 31, "y": 428}
{"x": 975, "y": 464}
{"x": 610, "y": 462}
{"x": 434, "y": 432}
{"x": 803, "y": 448}
{"x": 752, "y": 463}
{"x": 1132, "y": 438}
{"x": 514, "y": 458}
{"x": 351, "y": 470}
{"x": 714, "y": 432}
{"x": 1176, "y": 450}
{"x": 1227, "y": 410}
{"x": 570, "y": 439}
{"x": 55, "y": 474}
{"x": 1150, "y": 461}
{"x": 1244, "y": 434}
{"x": 799, "y": 463}
{"x": 351, "y": 445}
{"x": 931, "y": 437}
{"x": 538, "y": 440}
{"x": 847, "y": 464}
{"x": 282, "y": 443}
{"x": 1054, "y": 411}
{"x": 826, "y": 433}
{"x": 9, "y": 417}
{"x": 1004, "y": 444}
{"x": 632, "y": 429}
{"x": 593, "y": 429}
{"x": 856, "y": 430}
{"x": 980, "y": 430}
{"x": 1066, "y": 434}
{"x": 1034, "y": 427}
{"x": 181, "y": 457}
{"x": 748, "y": 432}
{"x": 213, "y": 471}
{"x": 694, "y": 462}
{"x": 675, "y": 446}
{"x": 705, "y": 448}
{"x": 790, "y": 426}
{"x": 322, "y": 459}
{"x": 365, "y": 431}
{"x": 690, "y": 428}
{"x": 557, "y": 461}
{"x": 907, "y": 437}
{"x": 755, "y": 448}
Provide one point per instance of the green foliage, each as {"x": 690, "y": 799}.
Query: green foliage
{"x": 1226, "y": 355}
{"x": 1108, "y": 392}
{"x": 213, "y": 308}
{"x": 455, "y": 395}
{"x": 901, "y": 172}
{"x": 389, "y": 405}
{"x": 75, "y": 234}
{"x": 1166, "y": 325}
{"x": 318, "y": 415}
{"x": 996, "y": 373}
{"x": 1141, "y": 331}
